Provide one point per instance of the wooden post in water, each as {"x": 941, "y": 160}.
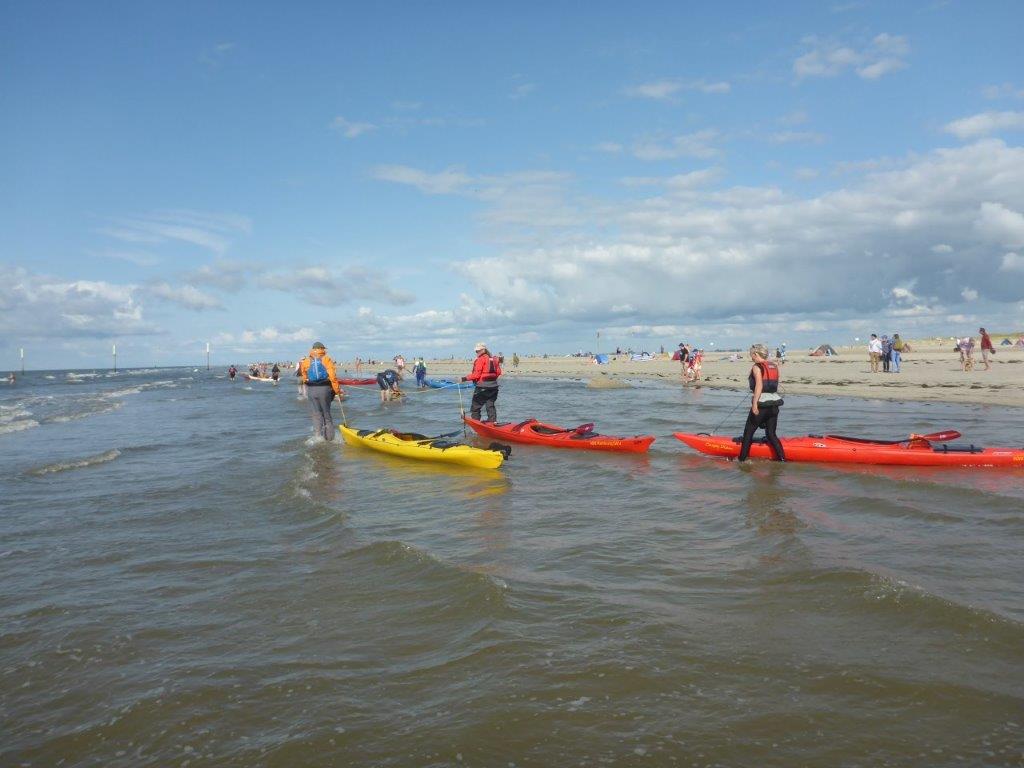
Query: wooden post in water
{"x": 114, "y": 352}
{"x": 23, "y": 361}
{"x": 207, "y": 355}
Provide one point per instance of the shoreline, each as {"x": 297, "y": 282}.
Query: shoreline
{"x": 929, "y": 374}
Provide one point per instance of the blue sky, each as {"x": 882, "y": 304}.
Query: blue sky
{"x": 413, "y": 178}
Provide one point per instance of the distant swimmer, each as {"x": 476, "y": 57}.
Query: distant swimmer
{"x": 10, "y": 378}
{"x": 275, "y": 373}
{"x": 388, "y": 382}
{"x": 486, "y": 370}
{"x": 764, "y": 403}
{"x": 232, "y": 372}
{"x": 317, "y": 372}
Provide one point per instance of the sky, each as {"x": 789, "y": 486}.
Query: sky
{"x": 543, "y": 177}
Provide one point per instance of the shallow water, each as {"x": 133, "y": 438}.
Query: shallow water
{"x": 190, "y": 579}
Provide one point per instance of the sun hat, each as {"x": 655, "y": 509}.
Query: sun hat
{"x": 479, "y": 345}
{"x": 318, "y": 345}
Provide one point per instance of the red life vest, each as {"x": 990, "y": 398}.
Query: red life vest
{"x": 769, "y": 377}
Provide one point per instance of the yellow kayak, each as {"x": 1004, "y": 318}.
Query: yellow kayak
{"x": 411, "y": 446}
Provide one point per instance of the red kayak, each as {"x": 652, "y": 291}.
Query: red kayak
{"x": 581, "y": 438}
{"x": 356, "y": 382}
{"x": 915, "y": 451}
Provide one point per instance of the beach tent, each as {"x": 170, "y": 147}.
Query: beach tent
{"x": 601, "y": 359}
{"x": 825, "y": 350}
{"x": 676, "y": 356}
{"x": 1005, "y": 343}
{"x": 1020, "y": 341}
{"x": 643, "y": 357}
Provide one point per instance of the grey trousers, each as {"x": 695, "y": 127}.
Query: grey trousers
{"x": 320, "y": 409}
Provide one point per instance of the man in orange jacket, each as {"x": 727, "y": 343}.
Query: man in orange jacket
{"x": 317, "y": 372}
{"x": 486, "y": 370}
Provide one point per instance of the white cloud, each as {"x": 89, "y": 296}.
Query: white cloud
{"x": 663, "y": 90}
{"x": 223, "y": 274}
{"x": 209, "y": 231}
{"x": 1003, "y": 91}
{"x": 941, "y": 248}
{"x": 828, "y": 58}
{"x": 997, "y": 222}
{"x": 969, "y": 294}
{"x": 34, "y": 305}
{"x": 351, "y": 129}
{"x": 985, "y": 124}
{"x": 330, "y": 287}
{"x": 1012, "y": 262}
{"x": 522, "y": 90}
{"x": 186, "y": 296}
{"x": 697, "y": 144}
{"x": 796, "y": 137}
{"x": 446, "y": 182}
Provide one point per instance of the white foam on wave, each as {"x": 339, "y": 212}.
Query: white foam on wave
{"x": 18, "y": 426}
{"x": 106, "y": 408}
{"x": 88, "y": 461}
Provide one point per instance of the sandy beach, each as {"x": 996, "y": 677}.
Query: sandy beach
{"x": 930, "y": 373}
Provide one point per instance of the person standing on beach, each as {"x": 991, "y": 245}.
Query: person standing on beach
{"x": 897, "y": 353}
{"x": 515, "y": 360}
{"x": 986, "y": 348}
{"x": 486, "y": 370}
{"x": 318, "y": 374}
{"x": 764, "y": 403}
{"x": 886, "y": 353}
{"x": 874, "y": 352}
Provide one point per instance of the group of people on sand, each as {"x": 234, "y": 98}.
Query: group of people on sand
{"x": 317, "y": 372}
{"x": 692, "y": 361}
{"x": 885, "y": 353}
{"x": 965, "y": 347}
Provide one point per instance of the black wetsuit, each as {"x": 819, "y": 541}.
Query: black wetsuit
{"x": 766, "y": 418}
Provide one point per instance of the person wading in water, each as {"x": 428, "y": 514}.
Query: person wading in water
{"x": 486, "y": 370}
{"x": 764, "y": 403}
{"x": 317, "y": 373}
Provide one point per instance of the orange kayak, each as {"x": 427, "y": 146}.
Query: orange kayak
{"x": 915, "y": 451}
{"x": 581, "y": 438}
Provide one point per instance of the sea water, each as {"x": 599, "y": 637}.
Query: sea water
{"x": 190, "y": 579}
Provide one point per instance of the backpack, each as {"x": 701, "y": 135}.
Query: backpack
{"x": 317, "y": 371}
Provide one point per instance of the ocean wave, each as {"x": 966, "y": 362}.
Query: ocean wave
{"x": 18, "y": 426}
{"x": 454, "y": 587}
{"x": 63, "y": 466}
{"x": 106, "y": 407}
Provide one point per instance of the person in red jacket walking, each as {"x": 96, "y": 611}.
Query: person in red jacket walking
{"x": 486, "y": 370}
{"x": 986, "y": 348}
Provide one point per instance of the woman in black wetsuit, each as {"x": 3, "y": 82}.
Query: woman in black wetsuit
{"x": 764, "y": 404}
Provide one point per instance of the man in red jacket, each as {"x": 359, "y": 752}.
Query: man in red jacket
{"x": 486, "y": 370}
{"x": 986, "y": 348}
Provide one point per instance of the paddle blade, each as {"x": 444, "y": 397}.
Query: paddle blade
{"x": 939, "y": 437}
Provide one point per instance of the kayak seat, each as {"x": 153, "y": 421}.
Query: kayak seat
{"x": 364, "y": 432}
{"x": 518, "y": 427}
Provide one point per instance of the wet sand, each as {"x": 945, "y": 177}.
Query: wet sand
{"x": 930, "y": 373}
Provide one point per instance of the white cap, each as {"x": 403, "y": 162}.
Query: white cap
{"x": 479, "y": 345}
